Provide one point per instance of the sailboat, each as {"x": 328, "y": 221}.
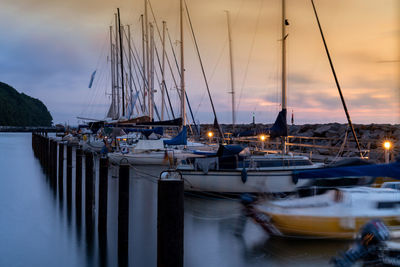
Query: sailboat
{"x": 336, "y": 214}
{"x": 232, "y": 171}
{"x": 162, "y": 152}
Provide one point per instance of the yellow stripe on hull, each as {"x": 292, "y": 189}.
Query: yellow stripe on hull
{"x": 324, "y": 227}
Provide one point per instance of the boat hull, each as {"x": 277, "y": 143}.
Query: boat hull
{"x": 325, "y": 227}
{"x": 234, "y": 181}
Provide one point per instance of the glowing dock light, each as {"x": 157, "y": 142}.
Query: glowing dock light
{"x": 210, "y": 135}
{"x": 262, "y": 138}
{"x": 387, "y": 145}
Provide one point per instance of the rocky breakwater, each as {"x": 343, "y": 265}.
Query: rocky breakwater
{"x": 371, "y": 137}
{"x": 330, "y": 139}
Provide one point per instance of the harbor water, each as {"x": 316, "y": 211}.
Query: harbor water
{"x": 39, "y": 227}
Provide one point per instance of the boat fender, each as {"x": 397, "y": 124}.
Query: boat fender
{"x": 295, "y": 178}
{"x": 244, "y": 175}
{"x": 124, "y": 150}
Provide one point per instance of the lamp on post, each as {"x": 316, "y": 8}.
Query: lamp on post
{"x": 262, "y": 138}
{"x": 210, "y": 136}
{"x": 387, "y": 145}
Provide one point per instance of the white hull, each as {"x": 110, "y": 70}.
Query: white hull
{"x": 231, "y": 181}
{"x": 160, "y": 158}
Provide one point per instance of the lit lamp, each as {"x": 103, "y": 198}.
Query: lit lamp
{"x": 387, "y": 145}
{"x": 210, "y": 135}
{"x": 262, "y": 138}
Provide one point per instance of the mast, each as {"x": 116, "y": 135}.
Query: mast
{"x": 284, "y": 36}
{"x": 112, "y": 108}
{"x": 143, "y": 67}
{"x": 122, "y": 63}
{"x": 151, "y": 81}
{"x": 183, "y": 113}
{"x": 232, "y": 70}
{"x": 337, "y": 82}
{"x": 163, "y": 73}
{"x": 116, "y": 66}
{"x": 146, "y": 22}
{"x": 130, "y": 65}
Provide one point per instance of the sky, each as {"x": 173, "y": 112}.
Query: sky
{"x": 49, "y": 49}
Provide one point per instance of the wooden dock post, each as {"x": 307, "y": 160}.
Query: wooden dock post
{"x": 69, "y": 176}
{"x": 78, "y": 185}
{"x": 103, "y": 196}
{"x": 47, "y": 155}
{"x": 123, "y": 215}
{"x": 54, "y": 164}
{"x": 89, "y": 196}
{"x": 60, "y": 171}
{"x": 170, "y": 223}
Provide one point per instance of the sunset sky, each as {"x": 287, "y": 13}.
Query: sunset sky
{"x": 49, "y": 49}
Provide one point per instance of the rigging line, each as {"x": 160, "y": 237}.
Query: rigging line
{"x": 169, "y": 100}
{"x": 337, "y": 82}
{"x": 87, "y": 98}
{"x": 140, "y": 89}
{"x": 250, "y": 53}
{"x": 138, "y": 65}
{"x": 166, "y": 56}
{"x": 204, "y": 74}
{"x": 133, "y": 80}
{"x": 154, "y": 103}
{"x": 179, "y": 73}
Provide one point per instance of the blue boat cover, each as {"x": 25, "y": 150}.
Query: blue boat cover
{"x": 146, "y": 132}
{"x": 391, "y": 170}
{"x": 229, "y": 150}
{"x": 280, "y": 126}
{"x": 180, "y": 139}
{"x": 205, "y": 153}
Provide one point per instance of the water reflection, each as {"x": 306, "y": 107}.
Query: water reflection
{"x": 36, "y": 229}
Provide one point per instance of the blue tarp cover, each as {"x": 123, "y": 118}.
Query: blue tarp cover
{"x": 146, "y": 132}
{"x": 391, "y": 170}
{"x": 280, "y": 126}
{"x": 229, "y": 150}
{"x": 180, "y": 139}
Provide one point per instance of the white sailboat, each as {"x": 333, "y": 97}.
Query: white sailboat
{"x": 268, "y": 173}
{"x": 338, "y": 213}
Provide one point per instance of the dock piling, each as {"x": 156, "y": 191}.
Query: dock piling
{"x": 170, "y": 223}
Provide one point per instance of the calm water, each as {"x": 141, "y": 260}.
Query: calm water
{"x": 38, "y": 228}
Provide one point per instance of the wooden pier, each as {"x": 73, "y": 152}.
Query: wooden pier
{"x": 51, "y": 154}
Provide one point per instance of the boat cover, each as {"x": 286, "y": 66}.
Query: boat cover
{"x": 391, "y": 170}
{"x": 280, "y": 126}
{"x": 146, "y": 132}
{"x": 229, "y": 150}
{"x": 180, "y": 139}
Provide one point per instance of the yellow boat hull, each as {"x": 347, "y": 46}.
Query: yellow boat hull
{"x": 324, "y": 227}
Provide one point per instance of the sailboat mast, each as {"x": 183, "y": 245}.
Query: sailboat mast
{"x": 146, "y": 24}
{"x": 116, "y": 66}
{"x": 163, "y": 73}
{"x": 122, "y": 63}
{"x": 231, "y": 68}
{"x": 151, "y": 81}
{"x": 112, "y": 75}
{"x": 183, "y": 113}
{"x": 130, "y": 66}
{"x": 284, "y": 36}
{"x": 143, "y": 67}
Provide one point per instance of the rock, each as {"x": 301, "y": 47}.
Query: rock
{"x": 321, "y": 131}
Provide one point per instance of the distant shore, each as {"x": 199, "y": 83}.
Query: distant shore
{"x": 25, "y": 129}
